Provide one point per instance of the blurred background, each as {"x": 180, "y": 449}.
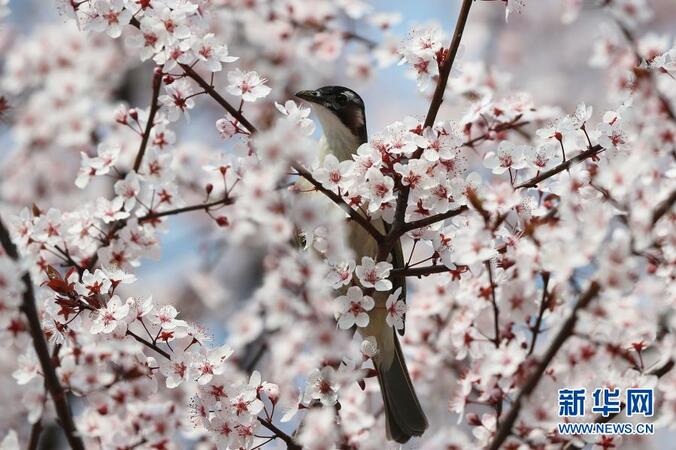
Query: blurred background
{"x": 534, "y": 52}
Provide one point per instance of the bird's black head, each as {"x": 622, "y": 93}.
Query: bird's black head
{"x": 343, "y": 103}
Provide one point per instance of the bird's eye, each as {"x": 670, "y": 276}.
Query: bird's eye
{"x": 341, "y": 99}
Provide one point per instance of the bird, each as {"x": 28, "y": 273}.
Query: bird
{"x": 342, "y": 115}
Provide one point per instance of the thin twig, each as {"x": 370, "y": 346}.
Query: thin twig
{"x": 348, "y": 35}
{"x": 512, "y": 125}
{"x": 288, "y": 440}
{"x": 173, "y": 212}
{"x": 589, "y": 153}
{"x": 148, "y": 344}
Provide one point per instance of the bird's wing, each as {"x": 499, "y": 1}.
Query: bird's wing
{"x": 398, "y": 281}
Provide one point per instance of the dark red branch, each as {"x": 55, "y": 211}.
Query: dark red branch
{"x": 209, "y": 89}
{"x": 49, "y": 372}
{"x": 513, "y": 125}
{"x": 120, "y": 224}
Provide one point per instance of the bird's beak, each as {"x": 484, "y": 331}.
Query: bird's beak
{"x": 309, "y": 96}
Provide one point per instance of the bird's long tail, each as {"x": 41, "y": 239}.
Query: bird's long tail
{"x": 404, "y": 416}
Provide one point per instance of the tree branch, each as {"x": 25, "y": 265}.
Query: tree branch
{"x": 154, "y": 106}
{"x": 432, "y": 219}
{"x": 447, "y": 65}
{"x": 120, "y": 224}
{"x": 213, "y": 93}
{"x": 589, "y": 153}
{"x": 34, "y": 439}
{"x": 347, "y": 35}
{"x": 209, "y": 89}
{"x": 531, "y": 383}
{"x": 637, "y": 54}
{"x": 435, "y": 104}
{"x": 664, "y": 207}
{"x": 49, "y": 372}
{"x": 148, "y": 344}
{"x": 543, "y": 307}
{"x": 288, "y": 440}
{"x": 338, "y": 200}
{"x": 173, "y": 212}
{"x": 496, "y": 311}
{"x": 513, "y": 125}
{"x": 448, "y": 214}
{"x": 421, "y": 271}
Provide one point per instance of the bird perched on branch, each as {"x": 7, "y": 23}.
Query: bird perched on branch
{"x": 342, "y": 115}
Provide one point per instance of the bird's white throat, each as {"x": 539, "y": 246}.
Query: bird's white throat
{"x": 340, "y": 141}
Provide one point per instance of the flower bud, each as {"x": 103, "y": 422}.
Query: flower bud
{"x": 369, "y": 347}
{"x": 271, "y": 391}
{"x": 473, "y": 419}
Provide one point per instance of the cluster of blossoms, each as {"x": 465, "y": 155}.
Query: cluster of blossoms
{"x": 519, "y": 218}
{"x": 76, "y": 80}
{"x": 102, "y": 337}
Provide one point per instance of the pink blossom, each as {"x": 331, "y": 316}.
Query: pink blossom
{"x": 248, "y": 85}
{"x": 111, "y": 317}
{"x": 352, "y": 308}
{"x": 374, "y": 275}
